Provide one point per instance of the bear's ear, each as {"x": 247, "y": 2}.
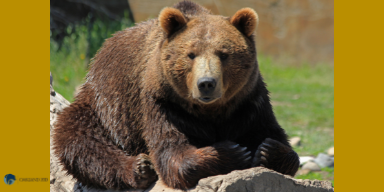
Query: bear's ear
{"x": 245, "y": 20}
{"x": 171, "y": 20}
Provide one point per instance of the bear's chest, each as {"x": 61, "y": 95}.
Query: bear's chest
{"x": 206, "y": 133}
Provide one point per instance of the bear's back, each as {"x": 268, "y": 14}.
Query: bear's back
{"x": 114, "y": 82}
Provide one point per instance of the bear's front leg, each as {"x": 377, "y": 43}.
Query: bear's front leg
{"x": 276, "y": 156}
{"x": 182, "y": 166}
{"x": 91, "y": 158}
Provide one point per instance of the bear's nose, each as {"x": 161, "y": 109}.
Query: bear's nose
{"x": 206, "y": 85}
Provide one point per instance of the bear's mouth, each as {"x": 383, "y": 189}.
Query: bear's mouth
{"x": 207, "y": 100}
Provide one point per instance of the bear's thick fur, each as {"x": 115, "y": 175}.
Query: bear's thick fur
{"x": 179, "y": 97}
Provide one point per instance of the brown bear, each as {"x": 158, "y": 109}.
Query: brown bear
{"x": 180, "y": 97}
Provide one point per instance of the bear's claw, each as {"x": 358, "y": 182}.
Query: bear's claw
{"x": 272, "y": 154}
{"x": 145, "y": 171}
{"x": 263, "y": 152}
{"x": 239, "y": 154}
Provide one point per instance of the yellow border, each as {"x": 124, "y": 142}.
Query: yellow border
{"x": 359, "y": 72}
{"x": 24, "y": 137}
{"x": 24, "y": 51}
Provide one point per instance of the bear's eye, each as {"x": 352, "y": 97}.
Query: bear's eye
{"x": 191, "y": 56}
{"x": 223, "y": 56}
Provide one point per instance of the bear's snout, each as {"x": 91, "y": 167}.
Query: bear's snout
{"x": 206, "y": 86}
{"x": 207, "y": 80}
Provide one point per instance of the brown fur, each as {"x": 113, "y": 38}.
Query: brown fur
{"x": 172, "y": 20}
{"x": 245, "y": 20}
{"x": 140, "y": 99}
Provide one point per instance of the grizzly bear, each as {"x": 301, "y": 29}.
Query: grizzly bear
{"x": 179, "y": 97}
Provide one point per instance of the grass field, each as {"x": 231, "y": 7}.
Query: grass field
{"x": 302, "y": 99}
{"x": 302, "y": 96}
{"x": 69, "y": 62}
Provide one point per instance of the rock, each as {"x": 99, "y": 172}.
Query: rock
{"x": 303, "y": 171}
{"x": 305, "y": 159}
{"x": 311, "y": 166}
{"x": 295, "y": 141}
{"x": 256, "y": 179}
{"x": 331, "y": 151}
{"x": 324, "y": 160}
{"x": 57, "y": 176}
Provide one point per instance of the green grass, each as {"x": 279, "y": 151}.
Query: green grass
{"x": 302, "y": 99}
{"x": 68, "y": 66}
{"x": 69, "y": 63}
{"x": 302, "y": 96}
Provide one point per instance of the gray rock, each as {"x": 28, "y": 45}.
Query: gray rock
{"x": 304, "y": 159}
{"x": 324, "y": 160}
{"x": 58, "y": 179}
{"x": 255, "y": 179}
{"x": 258, "y": 180}
{"x": 311, "y": 166}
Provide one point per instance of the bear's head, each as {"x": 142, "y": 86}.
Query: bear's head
{"x": 209, "y": 59}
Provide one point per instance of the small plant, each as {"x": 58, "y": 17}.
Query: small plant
{"x": 69, "y": 60}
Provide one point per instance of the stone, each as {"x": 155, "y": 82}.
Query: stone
{"x": 259, "y": 179}
{"x": 311, "y": 166}
{"x": 303, "y": 171}
{"x": 295, "y": 141}
{"x": 305, "y": 159}
{"x": 57, "y": 176}
{"x": 256, "y": 179}
{"x": 331, "y": 151}
{"x": 324, "y": 160}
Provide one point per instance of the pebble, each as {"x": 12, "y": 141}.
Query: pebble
{"x": 303, "y": 171}
{"x": 311, "y": 166}
{"x": 324, "y": 160}
{"x": 305, "y": 159}
{"x": 295, "y": 141}
{"x": 331, "y": 151}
